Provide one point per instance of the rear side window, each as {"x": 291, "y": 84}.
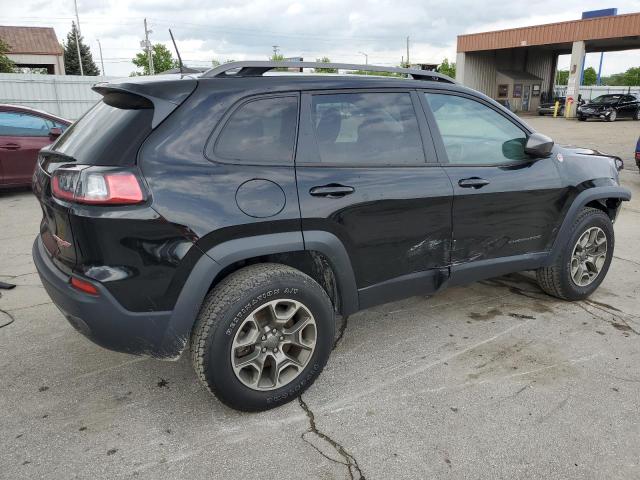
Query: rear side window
{"x": 18, "y": 124}
{"x": 106, "y": 135}
{"x": 367, "y": 128}
{"x": 260, "y": 131}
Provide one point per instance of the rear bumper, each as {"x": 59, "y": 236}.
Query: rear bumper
{"x": 101, "y": 318}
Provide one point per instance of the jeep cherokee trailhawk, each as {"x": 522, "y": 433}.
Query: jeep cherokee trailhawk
{"x": 236, "y": 213}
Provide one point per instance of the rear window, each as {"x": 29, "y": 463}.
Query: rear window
{"x": 106, "y": 135}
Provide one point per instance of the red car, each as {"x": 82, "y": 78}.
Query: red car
{"x": 23, "y": 132}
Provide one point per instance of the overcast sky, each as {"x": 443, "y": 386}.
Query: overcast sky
{"x": 339, "y": 29}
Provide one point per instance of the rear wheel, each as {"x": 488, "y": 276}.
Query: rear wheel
{"x": 263, "y": 336}
{"x": 636, "y": 116}
{"x": 584, "y": 263}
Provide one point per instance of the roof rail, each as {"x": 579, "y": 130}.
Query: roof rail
{"x": 257, "y": 68}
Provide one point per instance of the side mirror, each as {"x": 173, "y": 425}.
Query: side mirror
{"x": 538, "y": 145}
{"x": 55, "y": 132}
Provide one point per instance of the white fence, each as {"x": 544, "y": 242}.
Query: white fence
{"x": 68, "y": 96}
{"x": 592, "y": 91}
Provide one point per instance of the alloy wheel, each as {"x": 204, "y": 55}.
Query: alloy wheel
{"x": 589, "y": 256}
{"x": 273, "y": 344}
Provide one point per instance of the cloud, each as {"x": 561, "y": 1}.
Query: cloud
{"x": 242, "y": 29}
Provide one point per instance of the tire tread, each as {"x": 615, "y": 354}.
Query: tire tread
{"x": 224, "y": 296}
{"x": 549, "y": 278}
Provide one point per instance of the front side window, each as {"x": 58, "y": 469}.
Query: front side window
{"x": 18, "y": 124}
{"x": 366, "y": 128}
{"x": 260, "y": 131}
{"x": 473, "y": 133}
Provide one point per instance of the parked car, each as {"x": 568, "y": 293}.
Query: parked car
{"x": 548, "y": 108}
{"x": 23, "y": 132}
{"x": 610, "y": 107}
{"x": 234, "y": 215}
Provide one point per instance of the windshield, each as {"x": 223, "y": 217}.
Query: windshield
{"x": 606, "y": 99}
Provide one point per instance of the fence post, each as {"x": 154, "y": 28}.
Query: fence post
{"x": 57, "y": 98}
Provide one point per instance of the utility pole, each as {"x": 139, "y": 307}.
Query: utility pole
{"x": 366, "y": 58}
{"x": 148, "y": 46}
{"x": 408, "y": 62}
{"x": 78, "y": 35}
{"x": 275, "y": 50}
{"x": 101, "y": 62}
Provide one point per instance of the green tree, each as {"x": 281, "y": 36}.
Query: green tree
{"x": 562, "y": 77}
{"x": 71, "y": 65}
{"x": 216, "y": 63}
{"x": 6, "y": 65}
{"x": 278, "y": 57}
{"x": 590, "y": 76}
{"x": 630, "y": 78}
{"x": 162, "y": 60}
{"x": 447, "y": 68}
{"x": 324, "y": 70}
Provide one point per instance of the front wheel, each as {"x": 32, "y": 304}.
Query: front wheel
{"x": 262, "y": 337}
{"x": 582, "y": 265}
{"x": 612, "y": 116}
{"x": 582, "y": 118}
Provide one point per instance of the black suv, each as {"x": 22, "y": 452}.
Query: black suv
{"x": 235, "y": 214}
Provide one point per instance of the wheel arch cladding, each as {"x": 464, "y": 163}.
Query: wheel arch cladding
{"x": 606, "y": 198}
{"x": 325, "y": 260}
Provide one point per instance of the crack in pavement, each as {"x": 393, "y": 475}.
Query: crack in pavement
{"x": 349, "y": 460}
{"x": 10, "y": 321}
{"x": 18, "y": 276}
{"x": 627, "y": 260}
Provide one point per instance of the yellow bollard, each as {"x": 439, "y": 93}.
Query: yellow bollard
{"x": 555, "y": 109}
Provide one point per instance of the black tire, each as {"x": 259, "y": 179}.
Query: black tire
{"x": 581, "y": 118}
{"x": 636, "y": 116}
{"x": 613, "y": 116}
{"x": 221, "y": 316}
{"x": 556, "y": 280}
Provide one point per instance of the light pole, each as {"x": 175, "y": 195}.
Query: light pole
{"x": 78, "y": 35}
{"x": 101, "y": 61}
{"x": 366, "y": 58}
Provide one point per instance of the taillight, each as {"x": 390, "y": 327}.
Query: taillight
{"x": 97, "y": 186}
{"x": 638, "y": 156}
{"x": 83, "y": 286}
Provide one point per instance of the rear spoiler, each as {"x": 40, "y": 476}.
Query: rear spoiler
{"x": 165, "y": 95}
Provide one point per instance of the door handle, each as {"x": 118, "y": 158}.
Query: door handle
{"x": 10, "y": 146}
{"x": 473, "y": 182}
{"x": 331, "y": 191}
